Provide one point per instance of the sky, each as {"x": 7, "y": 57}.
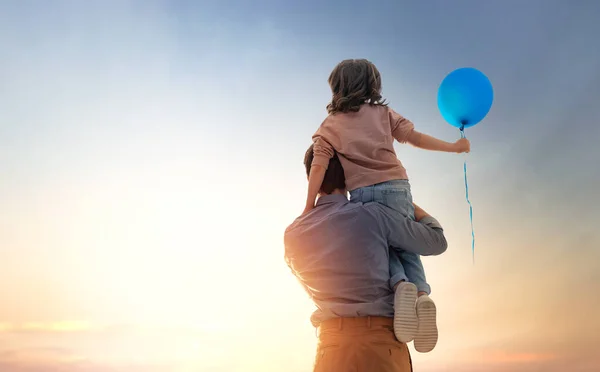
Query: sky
{"x": 151, "y": 158}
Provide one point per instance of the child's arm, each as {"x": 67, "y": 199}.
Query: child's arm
{"x": 322, "y": 153}
{"x": 403, "y": 130}
{"x": 315, "y": 180}
{"x": 427, "y": 142}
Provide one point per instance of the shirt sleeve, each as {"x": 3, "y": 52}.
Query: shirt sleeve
{"x": 431, "y": 222}
{"x": 322, "y": 151}
{"x": 402, "y": 128}
{"x": 425, "y": 238}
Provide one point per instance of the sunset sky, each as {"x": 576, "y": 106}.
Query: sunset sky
{"x": 151, "y": 158}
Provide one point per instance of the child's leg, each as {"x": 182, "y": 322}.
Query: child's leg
{"x": 405, "y": 296}
{"x": 427, "y": 332}
{"x": 408, "y": 311}
{"x": 415, "y": 272}
{"x": 405, "y": 315}
{"x": 397, "y": 195}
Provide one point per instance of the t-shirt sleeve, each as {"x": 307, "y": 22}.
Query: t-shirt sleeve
{"x": 402, "y": 128}
{"x": 322, "y": 151}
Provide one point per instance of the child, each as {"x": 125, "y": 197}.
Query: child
{"x": 361, "y": 129}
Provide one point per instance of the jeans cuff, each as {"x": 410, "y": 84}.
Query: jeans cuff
{"x": 423, "y": 287}
{"x": 397, "y": 279}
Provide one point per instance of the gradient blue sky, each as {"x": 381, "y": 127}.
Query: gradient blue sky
{"x": 151, "y": 157}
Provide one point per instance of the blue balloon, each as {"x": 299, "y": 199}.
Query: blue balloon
{"x": 465, "y": 97}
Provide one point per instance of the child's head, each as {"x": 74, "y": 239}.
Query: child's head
{"x": 354, "y": 82}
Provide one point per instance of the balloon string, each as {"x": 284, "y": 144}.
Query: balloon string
{"x": 462, "y": 135}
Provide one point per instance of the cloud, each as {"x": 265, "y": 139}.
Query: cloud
{"x": 520, "y": 359}
{"x": 65, "y": 360}
{"x": 62, "y": 326}
{"x": 503, "y": 357}
{"x": 86, "y": 347}
{"x": 39, "y": 359}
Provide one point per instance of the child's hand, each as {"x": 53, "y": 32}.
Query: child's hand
{"x": 462, "y": 145}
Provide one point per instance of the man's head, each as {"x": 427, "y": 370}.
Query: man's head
{"x": 334, "y": 176}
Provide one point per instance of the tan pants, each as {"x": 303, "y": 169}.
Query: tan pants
{"x": 360, "y": 345}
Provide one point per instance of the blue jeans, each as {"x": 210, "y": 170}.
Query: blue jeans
{"x": 396, "y": 195}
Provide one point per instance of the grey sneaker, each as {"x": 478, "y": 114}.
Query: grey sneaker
{"x": 427, "y": 333}
{"x": 405, "y": 314}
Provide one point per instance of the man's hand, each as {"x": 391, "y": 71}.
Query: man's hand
{"x": 462, "y": 145}
{"x": 414, "y": 236}
{"x": 419, "y": 213}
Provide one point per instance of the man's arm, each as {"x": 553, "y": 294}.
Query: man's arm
{"x": 420, "y": 213}
{"x": 425, "y": 237}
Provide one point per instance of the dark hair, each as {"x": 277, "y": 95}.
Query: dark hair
{"x": 334, "y": 176}
{"x": 353, "y": 83}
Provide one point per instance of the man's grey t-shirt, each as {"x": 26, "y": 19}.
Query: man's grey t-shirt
{"x": 339, "y": 252}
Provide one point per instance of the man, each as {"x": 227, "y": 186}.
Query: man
{"x": 339, "y": 253}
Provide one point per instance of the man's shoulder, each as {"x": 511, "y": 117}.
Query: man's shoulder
{"x": 321, "y": 215}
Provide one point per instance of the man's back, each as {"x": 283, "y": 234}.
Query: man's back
{"x": 339, "y": 252}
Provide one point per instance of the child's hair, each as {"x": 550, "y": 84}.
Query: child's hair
{"x": 353, "y": 83}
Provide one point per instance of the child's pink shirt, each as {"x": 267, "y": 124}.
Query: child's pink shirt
{"x": 364, "y": 142}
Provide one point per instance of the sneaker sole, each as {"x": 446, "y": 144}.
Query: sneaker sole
{"x": 405, "y": 314}
{"x": 427, "y": 334}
